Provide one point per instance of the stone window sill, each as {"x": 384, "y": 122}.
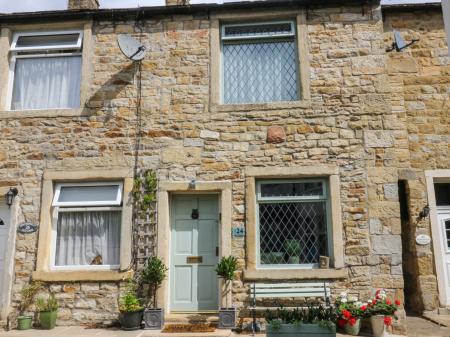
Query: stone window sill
{"x": 50, "y": 113}
{"x": 81, "y": 275}
{"x": 293, "y": 274}
{"x": 261, "y": 106}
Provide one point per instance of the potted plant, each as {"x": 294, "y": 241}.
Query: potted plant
{"x": 292, "y": 249}
{"x": 130, "y": 308}
{"x": 28, "y": 293}
{"x": 47, "y": 311}
{"x": 225, "y": 270}
{"x": 153, "y": 275}
{"x": 272, "y": 258}
{"x": 382, "y": 310}
{"x": 316, "y": 321}
{"x": 350, "y": 312}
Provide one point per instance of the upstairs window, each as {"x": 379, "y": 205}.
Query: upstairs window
{"x": 45, "y": 70}
{"x": 259, "y": 62}
{"x": 87, "y": 225}
{"x": 294, "y": 226}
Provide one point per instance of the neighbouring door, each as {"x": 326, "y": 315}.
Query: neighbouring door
{"x": 4, "y": 235}
{"x": 444, "y": 224}
{"x": 194, "y": 253}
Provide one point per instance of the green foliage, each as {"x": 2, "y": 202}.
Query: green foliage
{"x": 49, "y": 304}
{"x": 323, "y": 316}
{"x": 153, "y": 274}
{"x": 128, "y": 301}
{"x": 292, "y": 247}
{"x": 227, "y": 267}
{"x": 144, "y": 189}
{"x": 28, "y": 293}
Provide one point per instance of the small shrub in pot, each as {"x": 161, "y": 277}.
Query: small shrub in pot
{"x": 226, "y": 270}
{"x": 24, "y": 322}
{"x": 153, "y": 275}
{"x": 47, "y": 311}
{"x": 130, "y": 308}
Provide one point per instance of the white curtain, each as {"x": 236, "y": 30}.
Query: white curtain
{"x": 47, "y": 83}
{"x": 84, "y": 236}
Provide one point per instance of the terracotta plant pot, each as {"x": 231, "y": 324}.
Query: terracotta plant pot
{"x": 378, "y": 327}
{"x": 24, "y": 322}
{"x": 353, "y": 329}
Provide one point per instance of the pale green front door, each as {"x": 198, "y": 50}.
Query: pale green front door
{"x": 194, "y": 250}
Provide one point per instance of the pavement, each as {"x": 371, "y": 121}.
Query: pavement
{"x": 417, "y": 327}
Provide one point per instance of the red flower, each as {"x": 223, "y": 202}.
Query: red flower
{"x": 374, "y": 301}
{"x": 346, "y": 314}
{"x": 352, "y": 321}
{"x": 388, "y": 320}
{"x": 341, "y": 323}
{"x": 377, "y": 292}
{"x": 397, "y": 302}
{"x": 363, "y": 307}
{"x": 388, "y": 302}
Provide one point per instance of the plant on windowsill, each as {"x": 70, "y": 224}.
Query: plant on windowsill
{"x": 24, "y": 322}
{"x": 312, "y": 320}
{"x": 131, "y": 310}
{"x": 47, "y": 311}
{"x": 292, "y": 249}
{"x": 153, "y": 275}
{"x": 226, "y": 269}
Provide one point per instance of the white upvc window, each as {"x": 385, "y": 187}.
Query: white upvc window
{"x": 86, "y": 226}
{"x": 294, "y": 225}
{"x": 45, "y": 70}
{"x": 259, "y": 62}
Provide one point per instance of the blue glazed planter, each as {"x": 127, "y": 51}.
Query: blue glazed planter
{"x": 293, "y": 330}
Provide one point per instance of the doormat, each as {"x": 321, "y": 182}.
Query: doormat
{"x": 174, "y": 328}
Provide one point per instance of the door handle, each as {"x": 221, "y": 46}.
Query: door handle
{"x": 2, "y": 223}
{"x": 217, "y": 251}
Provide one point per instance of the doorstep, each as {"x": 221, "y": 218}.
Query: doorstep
{"x": 217, "y": 333}
{"x": 441, "y": 319}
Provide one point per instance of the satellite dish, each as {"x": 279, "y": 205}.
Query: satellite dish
{"x": 399, "y": 44}
{"x": 130, "y": 47}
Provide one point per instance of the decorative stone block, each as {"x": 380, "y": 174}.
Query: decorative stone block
{"x": 276, "y": 134}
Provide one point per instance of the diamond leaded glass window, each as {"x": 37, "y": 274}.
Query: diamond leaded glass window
{"x": 259, "y": 63}
{"x": 293, "y": 222}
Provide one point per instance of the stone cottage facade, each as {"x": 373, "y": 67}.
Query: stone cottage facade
{"x": 277, "y": 132}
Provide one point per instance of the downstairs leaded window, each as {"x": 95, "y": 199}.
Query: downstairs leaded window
{"x": 293, "y": 226}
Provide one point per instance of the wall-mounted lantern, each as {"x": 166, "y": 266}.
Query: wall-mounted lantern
{"x": 424, "y": 212}
{"x": 10, "y": 195}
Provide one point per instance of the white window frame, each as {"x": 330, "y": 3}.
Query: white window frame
{"x": 224, "y": 39}
{"x": 15, "y": 54}
{"x": 81, "y": 207}
{"x": 116, "y": 202}
{"x": 325, "y": 197}
{"x": 17, "y": 35}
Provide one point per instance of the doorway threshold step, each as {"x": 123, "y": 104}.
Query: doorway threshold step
{"x": 192, "y": 318}
{"x": 217, "y": 333}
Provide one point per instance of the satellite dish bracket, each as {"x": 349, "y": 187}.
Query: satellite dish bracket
{"x": 399, "y": 44}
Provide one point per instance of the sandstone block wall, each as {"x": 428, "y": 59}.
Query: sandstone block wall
{"x": 353, "y": 120}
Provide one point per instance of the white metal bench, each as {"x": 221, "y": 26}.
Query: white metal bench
{"x": 289, "y": 290}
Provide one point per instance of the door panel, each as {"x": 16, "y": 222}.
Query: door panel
{"x": 4, "y": 234}
{"x": 194, "y": 284}
{"x": 444, "y": 223}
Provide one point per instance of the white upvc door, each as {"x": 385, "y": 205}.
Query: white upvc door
{"x": 444, "y": 225}
{"x": 5, "y": 227}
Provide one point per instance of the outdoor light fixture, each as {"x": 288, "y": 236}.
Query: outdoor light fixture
{"x": 424, "y": 212}
{"x": 10, "y": 195}
{"x": 192, "y": 184}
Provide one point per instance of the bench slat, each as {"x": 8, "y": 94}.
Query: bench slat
{"x": 290, "y": 290}
{"x": 289, "y": 285}
{"x": 286, "y": 294}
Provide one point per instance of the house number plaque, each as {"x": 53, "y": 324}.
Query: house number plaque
{"x": 27, "y": 227}
{"x": 194, "y": 259}
{"x": 423, "y": 239}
